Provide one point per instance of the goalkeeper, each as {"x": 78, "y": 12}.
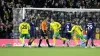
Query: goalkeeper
{"x": 55, "y": 26}
{"x": 24, "y": 28}
{"x": 77, "y": 32}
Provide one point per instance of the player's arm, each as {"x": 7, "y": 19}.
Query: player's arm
{"x": 80, "y": 28}
{"x": 86, "y": 27}
{"x": 20, "y": 28}
{"x": 59, "y": 25}
{"x": 28, "y": 26}
{"x": 72, "y": 29}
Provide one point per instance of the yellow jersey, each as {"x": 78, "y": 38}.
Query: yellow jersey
{"x": 24, "y": 28}
{"x": 55, "y": 26}
{"x": 76, "y": 29}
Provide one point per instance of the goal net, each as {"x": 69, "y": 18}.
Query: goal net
{"x": 80, "y": 16}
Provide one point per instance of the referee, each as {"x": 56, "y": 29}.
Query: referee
{"x": 43, "y": 27}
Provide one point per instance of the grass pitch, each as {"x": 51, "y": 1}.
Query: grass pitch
{"x": 55, "y": 51}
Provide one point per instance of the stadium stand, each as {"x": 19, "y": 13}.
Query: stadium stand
{"x": 6, "y": 15}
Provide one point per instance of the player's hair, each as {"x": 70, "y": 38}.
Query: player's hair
{"x": 24, "y": 20}
{"x": 90, "y": 19}
{"x": 68, "y": 19}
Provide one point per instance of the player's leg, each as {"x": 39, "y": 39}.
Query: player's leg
{"x": 68, "y": 38}
{"x": 28, "y": 36}
{"x": 47, "y": 41}
{"x": 88, "y": 37}
{"x": 64, "y": 36}
{"x": 75, "y": 36}
{"x": 46, "y": 37}
{"x": 40, "y": 41}
{"x": 82, "y": 42}
{"x": 54, "y": 38}
{"x": 92, "y": 42}
{"x": 82, "y": 37}
{"x": 21, "y": 37}
{"x": 58, "y": 35}
{"x": 31, "y": 39}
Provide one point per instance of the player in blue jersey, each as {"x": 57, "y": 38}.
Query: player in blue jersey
{"x": 90, "y": 27}
{"x": 67, "y": 27}
{"x": 32, "y": 33}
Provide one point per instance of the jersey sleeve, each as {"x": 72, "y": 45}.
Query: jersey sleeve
{"x": 59, "y": 25}
{"x": 80, "y": 28}
{"x": 29, "y": 26}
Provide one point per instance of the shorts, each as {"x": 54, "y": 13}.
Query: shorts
{"x": 25, "y": 35}
{"x": 67, "y": 35}
{"x": 32, "y": 34}
{"x": 56, "y": 34}
{"x": 90, "y": 35}
{"x": 78, "y": 35}
{"x": 43, "y": 33}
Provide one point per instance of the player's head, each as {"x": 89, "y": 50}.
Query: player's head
{"x": 24, "y": 20}
{"x": 90, "y": 19}
{"x": 68, "y": 20}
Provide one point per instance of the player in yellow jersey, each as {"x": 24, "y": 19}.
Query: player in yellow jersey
{"x": 55, "y": 26}
{"x": 77, "y": 32}
{"x": 24, "y": 28}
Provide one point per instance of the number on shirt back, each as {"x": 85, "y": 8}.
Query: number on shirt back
{"x": 90, "y": 27}
{"x": 24, "y": 26}
{"x": 67, "y": 27}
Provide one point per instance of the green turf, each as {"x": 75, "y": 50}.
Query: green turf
{"x": 55, "y": 51}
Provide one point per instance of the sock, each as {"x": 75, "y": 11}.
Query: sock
{"x": 29, "y": 43}
{"x": 40, "y": 42}
{"x": 33, "y": 43}
{"x": 54, "y": 40}
{"x": 92, "y": 42}
{"x": 47, "y": 42}
{"x": 68, "y": 41}
{"x": 86, "y": 42}
{"x": 75, "y": 40}
{"x": 64, "y": 42}
{"x": 22, "y": 40}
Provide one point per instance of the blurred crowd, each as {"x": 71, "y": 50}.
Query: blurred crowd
{"x": 7, "y": 6}
{"x": 51, "y": 3}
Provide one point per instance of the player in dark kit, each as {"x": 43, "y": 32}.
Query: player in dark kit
{"x": 90, "y": 32}
{"x": 32, "y": 33}
{"x": 67, "y": 27}
{"x": 43, "y": 27}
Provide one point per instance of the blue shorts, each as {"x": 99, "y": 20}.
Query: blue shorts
{"x": 67, "y": 35}
{"x": 90, "y": 35}
{"x": 32, "y": 34}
